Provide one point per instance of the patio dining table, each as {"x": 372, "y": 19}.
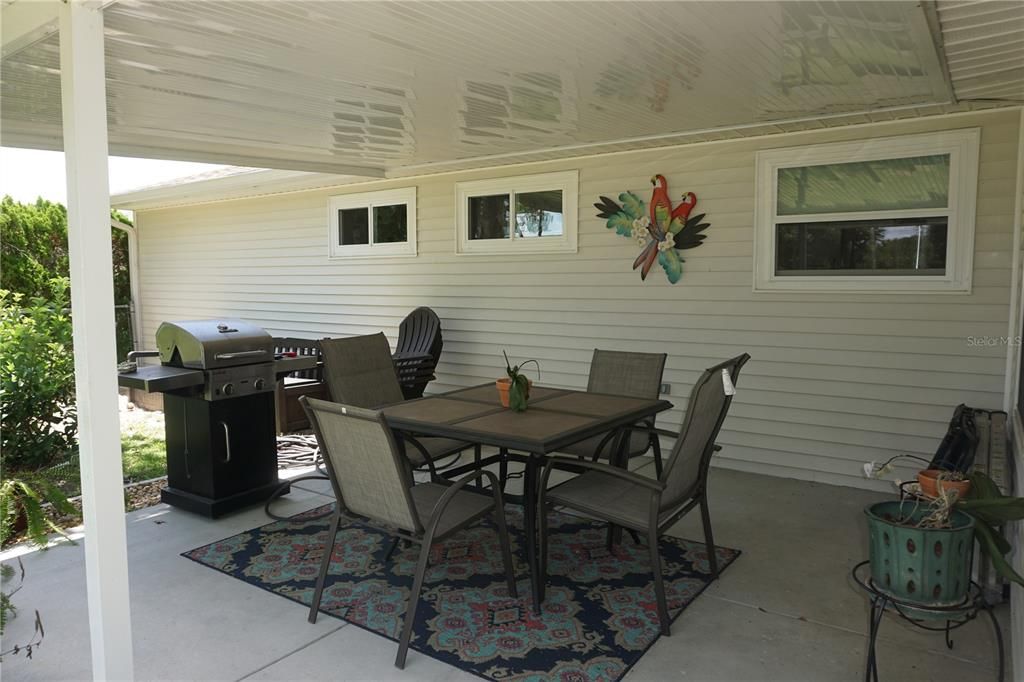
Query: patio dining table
{"x": 554, "y": 419}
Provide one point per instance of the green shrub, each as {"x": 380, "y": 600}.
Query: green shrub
{"x": 35, "y": 246}
{"x": 37, "y": 379}
{"x": 34, "y": 249}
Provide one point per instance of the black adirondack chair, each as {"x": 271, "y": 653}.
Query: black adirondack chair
{"x": 418, "y": 350}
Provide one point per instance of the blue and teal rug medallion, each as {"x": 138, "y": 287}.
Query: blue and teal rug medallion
{"x": 599, "y": 613}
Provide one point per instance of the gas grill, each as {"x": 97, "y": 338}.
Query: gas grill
{"x": 218, "y": 379}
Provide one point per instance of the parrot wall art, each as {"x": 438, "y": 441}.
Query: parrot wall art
{"x": 660, "y": 230}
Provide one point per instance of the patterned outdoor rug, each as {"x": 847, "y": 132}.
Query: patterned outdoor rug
{"x": 599, "y": 613}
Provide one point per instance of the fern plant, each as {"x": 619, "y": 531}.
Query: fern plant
{"x": 31, "y": 503}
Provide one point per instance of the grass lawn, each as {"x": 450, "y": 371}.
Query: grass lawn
{"x": 143, "y": 454}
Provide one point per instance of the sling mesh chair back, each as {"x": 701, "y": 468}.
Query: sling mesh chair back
{"x": 637, "y": 375}
{"x": 633, "y": 501}
{"x": 360, "y": 372}
{"x": 418, "y": 350}
{"x": 687, "y": 467}
{"x": 371, "y": 481}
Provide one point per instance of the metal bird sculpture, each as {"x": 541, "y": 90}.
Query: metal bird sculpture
{"x": 659, "y": 230}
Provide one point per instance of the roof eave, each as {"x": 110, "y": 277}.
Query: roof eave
{"x": 244, "y": 185}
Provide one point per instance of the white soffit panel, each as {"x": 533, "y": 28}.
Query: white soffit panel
{"x": 984, "y": 46}
{"x": 394, "y": 88}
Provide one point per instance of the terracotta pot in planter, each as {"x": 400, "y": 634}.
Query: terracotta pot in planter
{"x": 504, "y": 384}
{"x": 931, "y": 484}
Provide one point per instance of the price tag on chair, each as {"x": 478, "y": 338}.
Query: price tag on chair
{"x": 727, "y": 386}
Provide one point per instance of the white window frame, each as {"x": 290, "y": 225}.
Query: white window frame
{"x": 367, "y": 200}
{"x": 566, "y": 181}
{"x": 962, "y": 147}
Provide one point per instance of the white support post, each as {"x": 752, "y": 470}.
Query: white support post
{"x": 84, "y": 106}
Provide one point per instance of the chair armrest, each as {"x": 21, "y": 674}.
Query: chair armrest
{"x": 446, "y": 498}
{"x": 644, "y": 425}
{"x": 675, "y": 434}
{"x": 649, "y": 483}
{"x": 413, "y": 437}
{"x": 405, "y": 437}
{"x": 461, "y": 483}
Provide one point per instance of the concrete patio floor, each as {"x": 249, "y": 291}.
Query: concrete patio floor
{"x": 785, "y": 610}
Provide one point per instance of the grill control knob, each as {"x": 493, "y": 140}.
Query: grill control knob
{"x": 258, "y": 384}
{"x": 228, "y": 389}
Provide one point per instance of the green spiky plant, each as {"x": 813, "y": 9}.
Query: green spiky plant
{"x": 519, "y": 390}
{"x": 991, "y": 510}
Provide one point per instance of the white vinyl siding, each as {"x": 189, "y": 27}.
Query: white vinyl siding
{"x": 835, "y": 379}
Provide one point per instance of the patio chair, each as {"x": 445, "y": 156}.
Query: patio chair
{"x": 652, "y": 505}
{"x": 359, "y": 372}
{"x": 418, "y": 351}
{"x": 637, "y": 375}
{"x": 369, "y": 480}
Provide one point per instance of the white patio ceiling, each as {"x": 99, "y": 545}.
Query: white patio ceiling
{"x": 394, "y": 88}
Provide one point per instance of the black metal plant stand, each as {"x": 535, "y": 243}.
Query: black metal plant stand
{"x": 953, "y": 617}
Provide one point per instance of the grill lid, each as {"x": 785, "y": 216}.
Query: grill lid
{"x": 211, "y": 344}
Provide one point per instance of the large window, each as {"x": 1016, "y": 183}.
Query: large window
{"x": 373, "y": 224}
{"x": 533, "y": 214}
{"x": 885, "y": 215}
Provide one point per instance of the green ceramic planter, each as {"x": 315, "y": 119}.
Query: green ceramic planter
{"x": 926, "y": 566}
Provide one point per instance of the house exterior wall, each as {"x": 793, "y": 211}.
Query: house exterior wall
{"x": 836, "y": 379}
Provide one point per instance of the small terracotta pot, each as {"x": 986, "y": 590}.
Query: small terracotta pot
{"x": 504, "y": 384}
{"x": 930, "y": 484}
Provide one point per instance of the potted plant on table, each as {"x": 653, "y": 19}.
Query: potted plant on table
{"x": 514, "y": 390}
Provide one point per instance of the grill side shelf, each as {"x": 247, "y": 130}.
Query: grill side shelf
{"x": 161, "y": 379}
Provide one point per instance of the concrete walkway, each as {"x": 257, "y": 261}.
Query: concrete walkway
{"x": 785, "y": 610}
